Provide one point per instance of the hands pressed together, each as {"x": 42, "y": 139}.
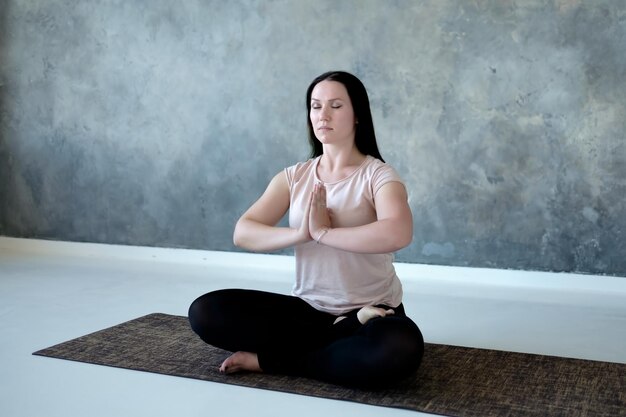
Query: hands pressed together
{"x": 316, "y": 221}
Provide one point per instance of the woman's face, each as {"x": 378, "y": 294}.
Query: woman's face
{"x": 332, "y": 115}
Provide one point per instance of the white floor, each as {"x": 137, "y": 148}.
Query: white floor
{"x": 54, "y": 291}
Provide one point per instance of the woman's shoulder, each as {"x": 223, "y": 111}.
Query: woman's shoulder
{"x": 380, "y": 173}
{"x": 303, "y": 164}
{"x": 374, "y": 165}
{"x": 300, "y": 169}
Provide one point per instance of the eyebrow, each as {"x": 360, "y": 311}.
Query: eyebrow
{"x": 332, "y": 99}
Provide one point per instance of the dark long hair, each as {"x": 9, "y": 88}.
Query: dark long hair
{"x": 364, "y": 138}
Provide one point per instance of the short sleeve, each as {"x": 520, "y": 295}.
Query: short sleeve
{"x": 290, "y": 173}
{"x": 382, "y": 175}
{"x": 296, "y": 172}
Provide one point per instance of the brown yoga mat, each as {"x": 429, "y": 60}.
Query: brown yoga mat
{"x": 452, "y": 381}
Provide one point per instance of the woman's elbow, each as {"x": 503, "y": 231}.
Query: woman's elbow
{"x": 401, "y": 239}
{"x": 238, "y": 239}
{"x": 401, "y": 244}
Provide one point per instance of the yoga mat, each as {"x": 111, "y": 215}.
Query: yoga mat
{"x": 452, "y": 381}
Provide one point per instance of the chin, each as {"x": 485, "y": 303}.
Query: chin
{"x": 323, "y": 139}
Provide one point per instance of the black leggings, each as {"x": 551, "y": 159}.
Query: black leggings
{"x": 291, "y": 337}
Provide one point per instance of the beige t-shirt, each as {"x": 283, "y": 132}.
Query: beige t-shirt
{"x": 333, "y": 280}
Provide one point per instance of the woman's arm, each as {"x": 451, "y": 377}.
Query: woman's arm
{"x": 392, "y": 230}
{"x": 256, "y": 229}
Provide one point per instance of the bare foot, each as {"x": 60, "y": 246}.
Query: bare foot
{"x": 241, "y": 361}
{"x": 369, "y": 312}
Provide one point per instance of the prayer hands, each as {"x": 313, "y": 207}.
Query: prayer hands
{"x": 319, "y": 215}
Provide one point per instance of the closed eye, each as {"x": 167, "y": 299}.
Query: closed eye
{"x": 334, "y": 106}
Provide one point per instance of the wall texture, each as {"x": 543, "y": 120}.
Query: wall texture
{"x": 157, "y": 122}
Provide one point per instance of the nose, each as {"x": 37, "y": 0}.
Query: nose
{"x": 324, "y": 113}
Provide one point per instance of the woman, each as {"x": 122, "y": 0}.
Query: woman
{"x": 348, "y": 211}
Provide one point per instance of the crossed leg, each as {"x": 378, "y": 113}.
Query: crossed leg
{"x": 283, "y": 334}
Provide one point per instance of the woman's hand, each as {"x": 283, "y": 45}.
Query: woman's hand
{"x": 319, "y": 214}
{"x": 369, "y": 312}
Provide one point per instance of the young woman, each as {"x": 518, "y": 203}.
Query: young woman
{"x": 348, "y": 211}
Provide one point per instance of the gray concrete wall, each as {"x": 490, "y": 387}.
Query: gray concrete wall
{"x": 157, "y": 122}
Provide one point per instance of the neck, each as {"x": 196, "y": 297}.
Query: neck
{"x": 336, "y": 158}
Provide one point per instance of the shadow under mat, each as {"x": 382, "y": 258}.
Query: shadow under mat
{"x": 452, "y": 381}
